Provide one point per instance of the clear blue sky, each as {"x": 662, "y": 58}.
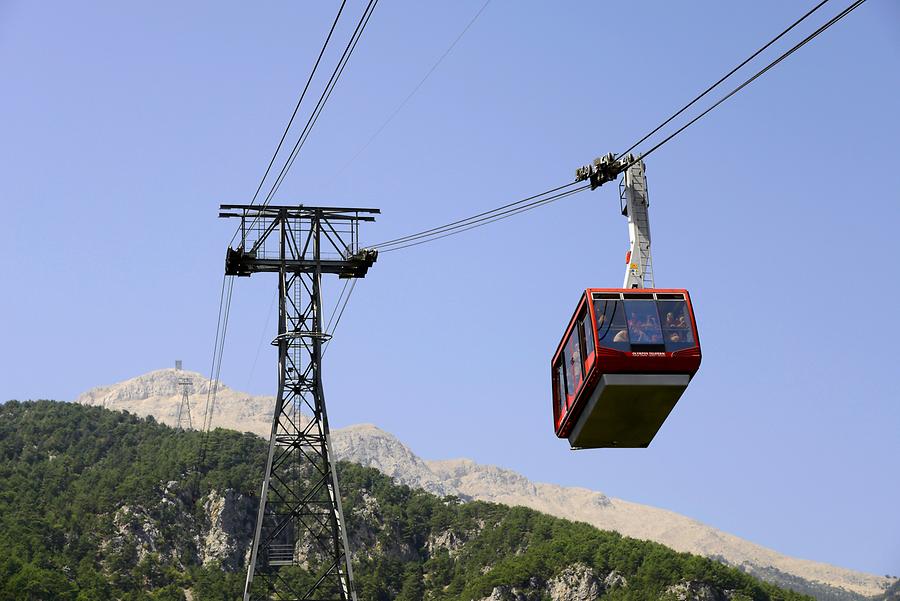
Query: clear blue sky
{"x": 125, "y": 125}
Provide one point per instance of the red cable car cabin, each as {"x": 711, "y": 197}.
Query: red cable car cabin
{"x": 625, "y": 360}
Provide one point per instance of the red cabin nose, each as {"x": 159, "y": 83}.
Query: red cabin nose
{"x": 625, "y": 360}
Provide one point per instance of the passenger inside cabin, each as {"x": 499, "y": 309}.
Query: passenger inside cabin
{"x": 575, "y": 366}
{"x": 670, "y": 325}
{"x": 637, "y": 329}
{"x": 652, "y": 331}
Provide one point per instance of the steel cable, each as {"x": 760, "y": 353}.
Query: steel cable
{"x": 495, "y": 217}
{"x": 464, "y": 222}
{"x": 759, "y": 73}
{"x": 323, "y": 99}
{"x": 724, "y": 77}
{"x": 486, "y": 217}
{"x": 317, "y": 110}
{"x": 418, "y": 86}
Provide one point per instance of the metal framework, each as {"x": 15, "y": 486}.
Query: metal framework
{"x": 184, "y": 409}
{"x": 635, "y": 206}
{"x": 300, "y": 521}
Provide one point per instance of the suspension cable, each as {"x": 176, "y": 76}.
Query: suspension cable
{"x": 724, "y": 77}
{"x": 331, "y": 330}
{"x": 323, "y": 99}
{"x": 296, "y": 109}
{"x": 460, "y": 223}
{"x": 519, "y": 206}
{"x": 300, "y": 100}
{"x": 317, "y": 110}
{"x": 412, "y": 93}
{"x": 214, "y": 373}
{"x": 759, "y": 73}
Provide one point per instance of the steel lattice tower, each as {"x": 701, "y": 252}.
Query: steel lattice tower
{"x": 184, "y": 409}
{"x": 300, "y": 520}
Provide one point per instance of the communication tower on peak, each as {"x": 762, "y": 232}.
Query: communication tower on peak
{"x": 184, "y": 409}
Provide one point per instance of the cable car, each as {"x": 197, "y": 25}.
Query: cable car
{"x": 625, "y": 359}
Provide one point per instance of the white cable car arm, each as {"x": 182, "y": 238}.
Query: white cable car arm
{"x": 635, "y": 206}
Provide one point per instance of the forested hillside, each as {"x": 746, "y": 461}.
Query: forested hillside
{"x": 103, "y": 505}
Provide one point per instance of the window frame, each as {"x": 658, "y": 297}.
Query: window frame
{"x": 640, "y": 295}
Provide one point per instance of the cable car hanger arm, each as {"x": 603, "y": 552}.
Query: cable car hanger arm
{"x": 635, "y": 206}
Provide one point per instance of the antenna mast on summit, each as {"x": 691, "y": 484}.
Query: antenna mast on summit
{"x": 300, "y": 521}
{"x": 184, "y": 409}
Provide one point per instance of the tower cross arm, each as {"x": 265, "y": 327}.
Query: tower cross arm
{"x": 299, "y": 239}
{"x": 241, "y": 263}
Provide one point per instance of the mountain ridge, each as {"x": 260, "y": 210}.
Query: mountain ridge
{"x": 105, "y": 505}
{"x": 156, "y": 393}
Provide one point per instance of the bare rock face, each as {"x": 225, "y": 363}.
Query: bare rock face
{"x": 230, "y": 529}
{"x": 367, "y": 535}
{"x": 448, "y": 540}
{"x": 695, "y": 591}
{"x": 158, "y": 394}
{"x": 576, "y": 583}
{"x": 159, "y": 528}
{"x": 373, "y": 447}
{"x": 614, "y": 580}
{"x": 134, "y": 527}
{"x": 532, "y": 592}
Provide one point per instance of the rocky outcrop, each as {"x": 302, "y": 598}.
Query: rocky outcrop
{"x": 695, "y": 591}
{"x": 168, "y": 531}
{"x": 157, "y": 394}
{"x": 229, "y": 529}
{"x": 161, "y": 529}
{"x": 532, "y": 592}
{"x": 575, "y": 583}
{"x": 614, "y": 580}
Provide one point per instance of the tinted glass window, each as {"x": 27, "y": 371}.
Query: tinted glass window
{"x": 560, "y": 381}
{"x": 643, "y": 322}
{"x": 612, "y": 330}
{"x": 559, "y": 393}
{"x": 676, "y": 325}
{"x": 573, "y": 364}
{"x": 585, "y": 327}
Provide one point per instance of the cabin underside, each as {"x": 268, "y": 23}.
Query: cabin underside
{"x": 627, "y": 410}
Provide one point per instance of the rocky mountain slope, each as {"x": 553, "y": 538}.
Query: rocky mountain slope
{"x": 156, "y": 394}
{"x": 100, "y": 505}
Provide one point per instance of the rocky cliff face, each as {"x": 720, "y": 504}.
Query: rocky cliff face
{"x": 228, "y": 529}
{"x": 157, "y": 394}
{"x": 163, "y": 529}
{"x": 579, "y": 582}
